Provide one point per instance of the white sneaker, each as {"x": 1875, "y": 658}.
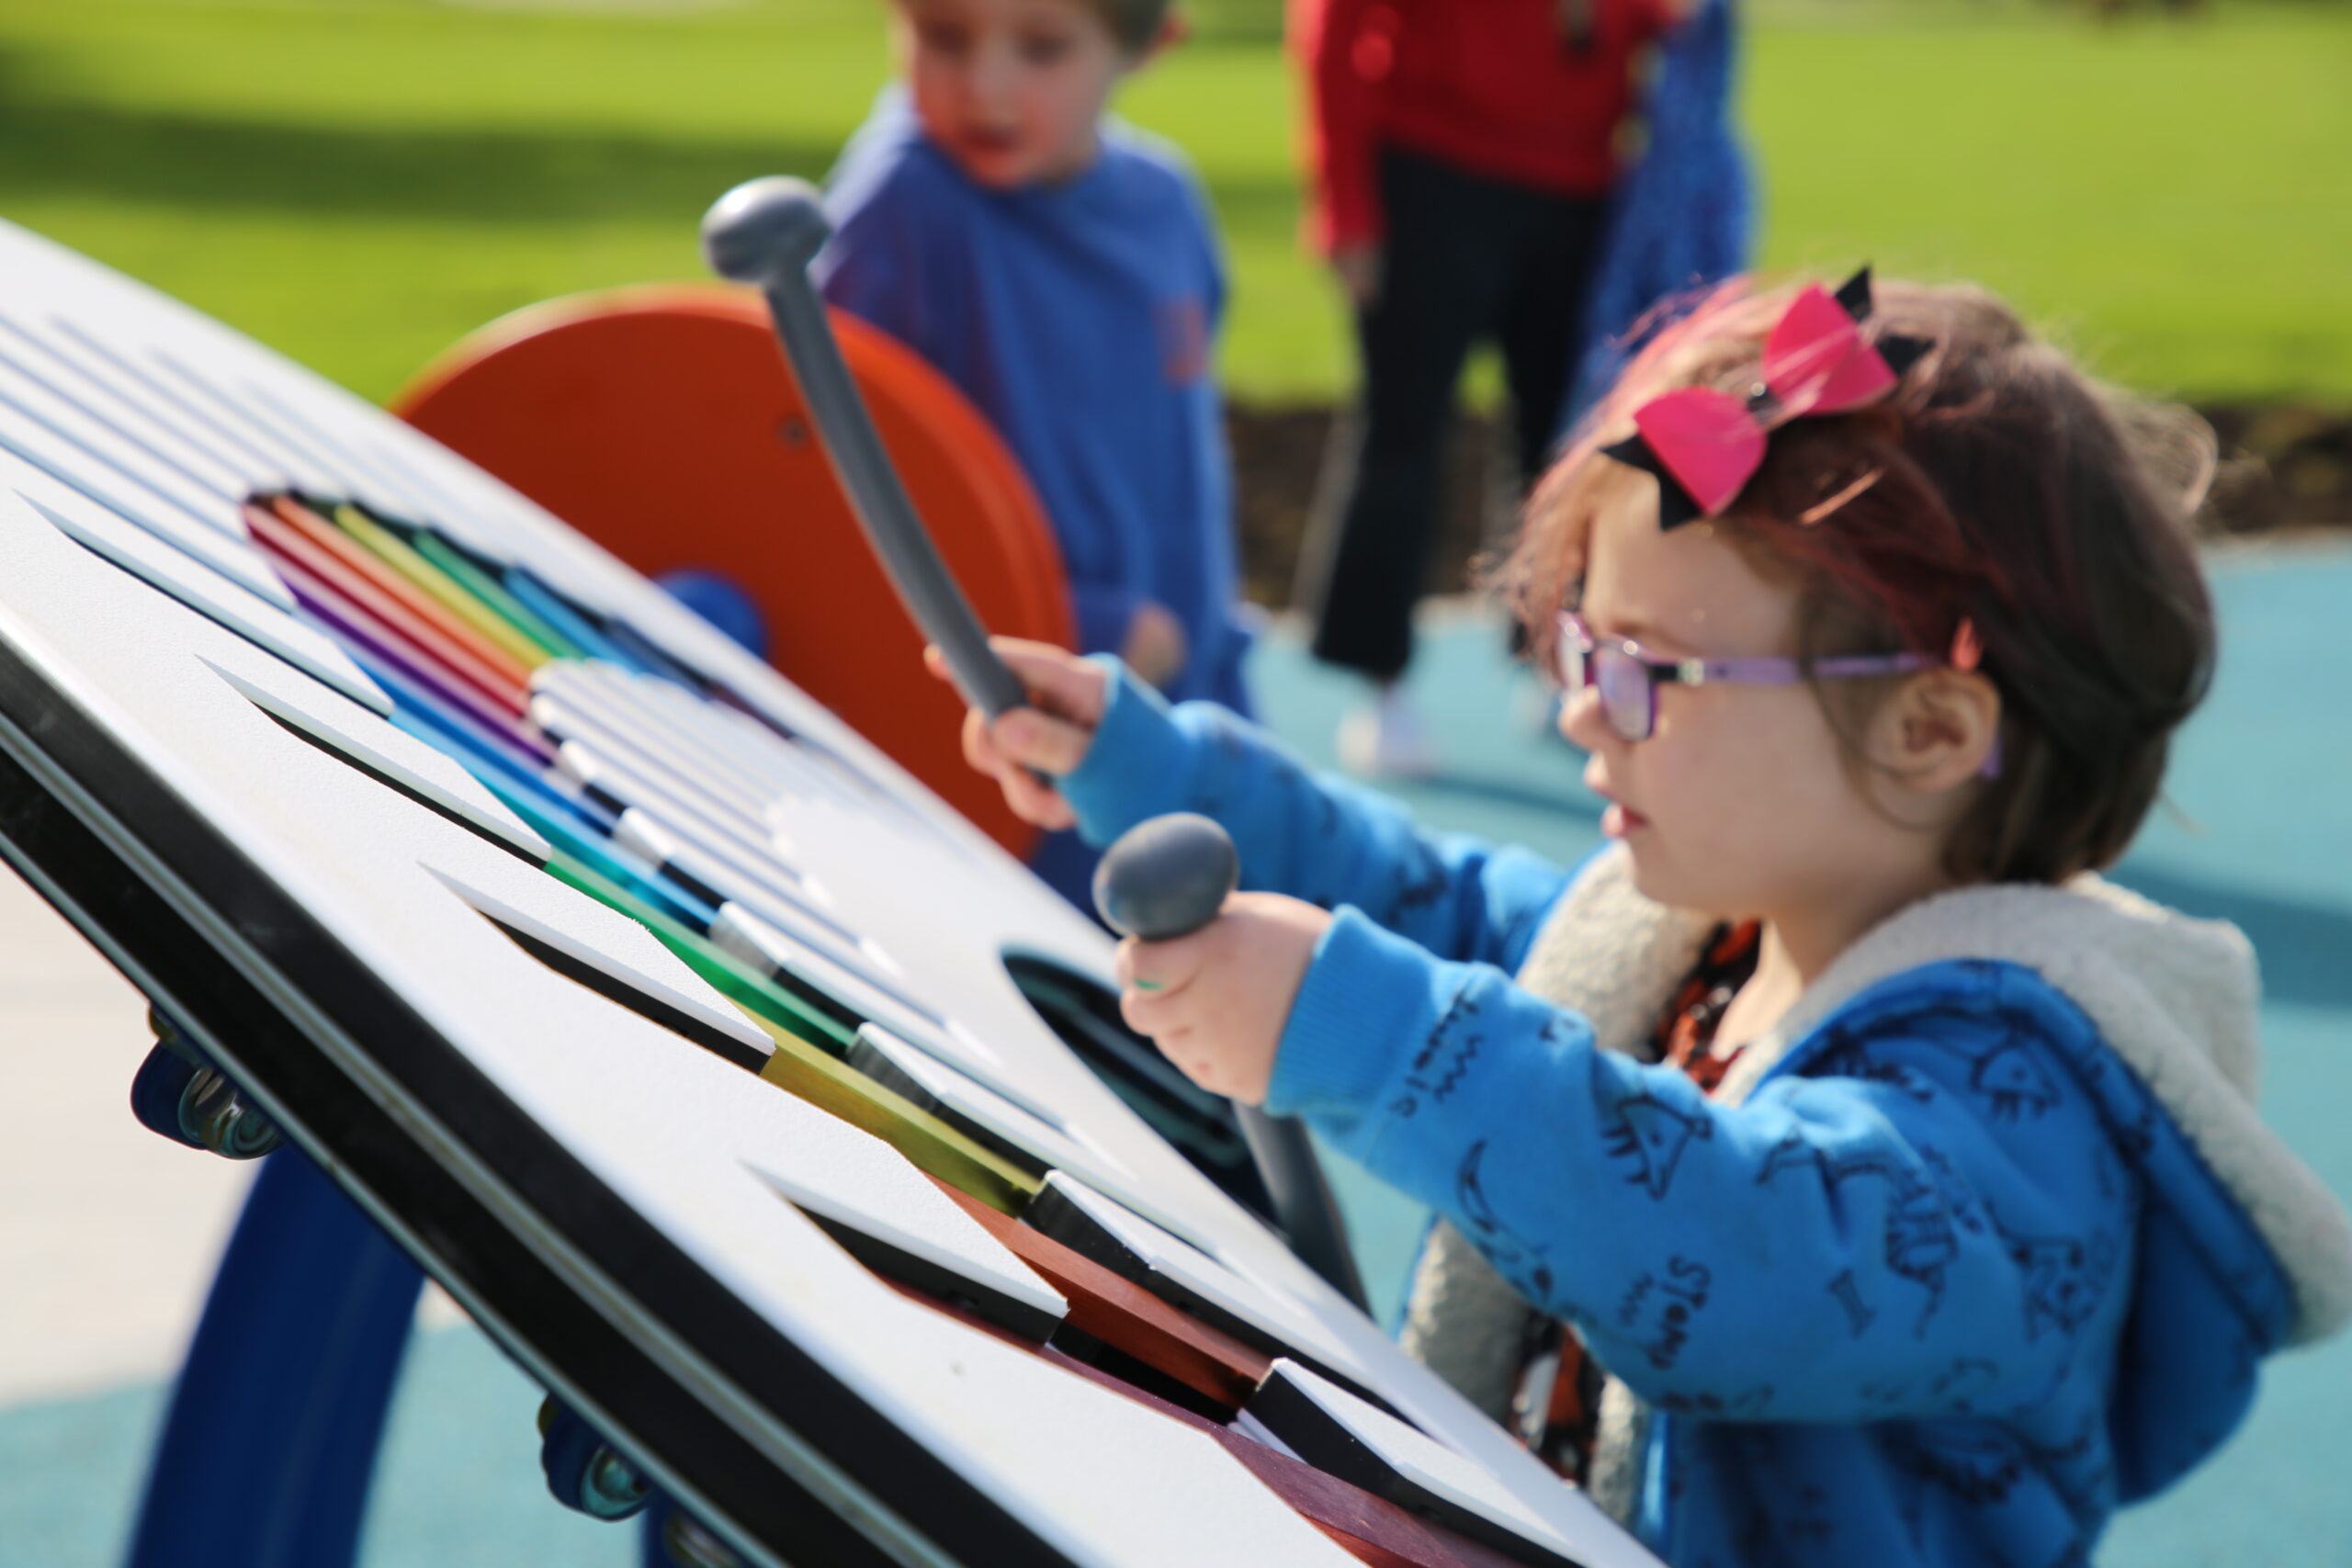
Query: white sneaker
{"x": 1386, "y": 739}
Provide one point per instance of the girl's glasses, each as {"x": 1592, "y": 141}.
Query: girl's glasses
{"x": 1628, "y": 677}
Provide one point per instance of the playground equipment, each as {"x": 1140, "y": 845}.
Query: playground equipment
{"x": 761, "y": 1107}
{"x": 662, "y": 423}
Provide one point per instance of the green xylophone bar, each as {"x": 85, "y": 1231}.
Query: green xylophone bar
{"x": 810, "y": 1072}
{"x": 460, "y": 601}
{"x": 597, "y": 828}
{"x": 377, "y": 645}
{"x": 462, "y": 571}
{"x": 292, "y": 533}
{"x": 812, "y": 1032}
{"x": 357, "y": 613}
{"x": 811, "y": 1029}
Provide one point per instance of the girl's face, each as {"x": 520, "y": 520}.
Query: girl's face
{"x": 1740, "y": 804}
{"x": 1010, "y": 89}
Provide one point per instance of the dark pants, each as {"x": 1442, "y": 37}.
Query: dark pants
{"x": 1466, "y": 259}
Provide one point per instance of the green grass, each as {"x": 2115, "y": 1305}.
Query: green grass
{"x": 2174, "y": 198}
{"x": 359, "y": 181}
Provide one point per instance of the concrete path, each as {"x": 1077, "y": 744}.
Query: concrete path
{"x": 107, "y": 1232}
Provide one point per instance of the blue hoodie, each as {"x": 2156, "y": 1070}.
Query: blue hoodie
{"x": 1984, "y": 1241}
{"x": 1079, "y": 319}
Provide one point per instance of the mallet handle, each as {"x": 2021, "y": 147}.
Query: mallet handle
{"x": 765, "y": 233}
{"x": 1166, "y": 878}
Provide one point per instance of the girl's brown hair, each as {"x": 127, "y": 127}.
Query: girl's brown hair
{"x": 1998, "y": 486}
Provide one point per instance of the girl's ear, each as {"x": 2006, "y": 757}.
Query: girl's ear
{"x": 1936, "y": 731}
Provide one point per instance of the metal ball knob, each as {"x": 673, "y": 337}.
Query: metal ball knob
{"x": 765, "y": 230}
{"x": 1167, "y": 877}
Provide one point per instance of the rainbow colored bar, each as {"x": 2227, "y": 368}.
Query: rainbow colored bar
{"x": 464, "y": 645}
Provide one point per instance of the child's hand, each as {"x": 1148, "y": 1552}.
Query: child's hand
{"x": 1215, "y": 1001}
{"x": 1358, "y": 268}
{"x": 1051, "y": 736}
{"x": 1156, "y": 648}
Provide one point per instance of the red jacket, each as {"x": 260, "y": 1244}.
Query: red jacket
{"x": 1490, "y": 86}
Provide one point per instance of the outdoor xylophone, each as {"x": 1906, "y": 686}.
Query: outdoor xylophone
{"x": 768, "y": 1114}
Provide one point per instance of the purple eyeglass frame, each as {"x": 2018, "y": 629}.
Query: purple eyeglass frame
{"x": 1577, "y": 648}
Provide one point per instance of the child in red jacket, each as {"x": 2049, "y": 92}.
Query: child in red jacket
{"x": 1461, "y": 152}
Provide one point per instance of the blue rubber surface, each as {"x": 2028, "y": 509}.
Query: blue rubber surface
{"x": 458, "y": 1485}
{"x": 2261, "y": 834}
{"x": 281, "y": 1398}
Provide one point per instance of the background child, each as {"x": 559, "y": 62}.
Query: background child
{"x": 1460, "y": 160}
{"x": 1062, "y": 270}
{"x": 1904, "y": 1177}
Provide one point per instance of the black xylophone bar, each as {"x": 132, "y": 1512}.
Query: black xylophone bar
{"x": 1167, "y": 879}
{"x": 765, "y": 233}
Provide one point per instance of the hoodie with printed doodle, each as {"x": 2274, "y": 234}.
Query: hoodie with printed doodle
{"x": 1984, "y": 1241}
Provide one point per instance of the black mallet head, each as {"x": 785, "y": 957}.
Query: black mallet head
{"x": 765, "y": 230}
{"x": 1167, "y": 877}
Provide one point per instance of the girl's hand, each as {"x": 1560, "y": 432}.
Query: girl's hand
{"x": 1215, "y": 1001}
{"x": 1358, "y": 268}
{"x": 1051, "y": 736}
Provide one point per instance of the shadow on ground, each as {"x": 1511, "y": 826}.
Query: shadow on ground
{"x": 52, "y": 143}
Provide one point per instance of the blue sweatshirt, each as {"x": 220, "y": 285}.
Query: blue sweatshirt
{"x": 1959, "y": 1276}
{"x": 1079, "y": 319}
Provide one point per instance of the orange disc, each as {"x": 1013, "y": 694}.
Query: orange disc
{"x": 663, "y": 422}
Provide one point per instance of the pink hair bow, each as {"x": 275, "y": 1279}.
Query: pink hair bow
{"x": 1705, "y": 446}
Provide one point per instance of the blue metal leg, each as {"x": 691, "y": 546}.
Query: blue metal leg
{"x": 650, "y": 1553}
{"x": 265, "y": 1459}
{"x": 669, "y": 1539}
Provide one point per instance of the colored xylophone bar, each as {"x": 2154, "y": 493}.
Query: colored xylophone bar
{"x": 656, "y": 812}
{"x": 490, "y": 873}
{"x": 678, "y": 848}
{"x": 472, "y": 670}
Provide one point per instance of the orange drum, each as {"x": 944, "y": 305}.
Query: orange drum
{"x": 663, "y": 422}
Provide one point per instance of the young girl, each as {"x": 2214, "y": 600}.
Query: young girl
{"x": 1902, "y": 1175}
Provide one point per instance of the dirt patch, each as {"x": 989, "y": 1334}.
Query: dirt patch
{"x": 2287, "y": 467}
{"x": 1287, "y": 462}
